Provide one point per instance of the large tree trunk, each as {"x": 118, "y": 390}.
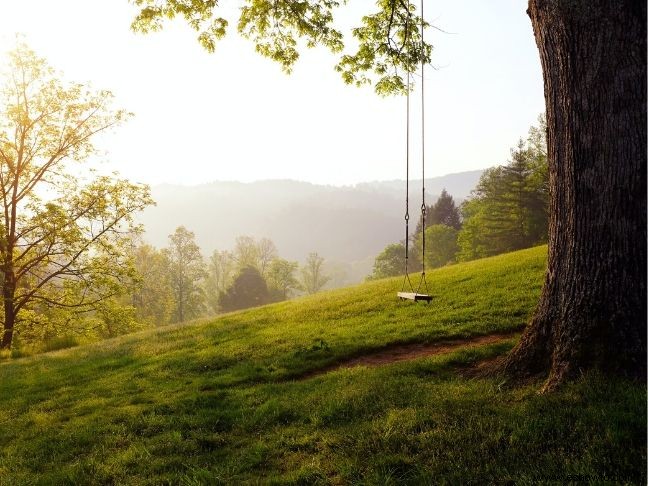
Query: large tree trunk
{"x": 592, "y": 312}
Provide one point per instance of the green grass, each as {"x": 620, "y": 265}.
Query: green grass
{"x": 219, "y": 402}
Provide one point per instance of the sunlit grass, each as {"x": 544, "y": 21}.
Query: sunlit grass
{"x": 219, "y": 402}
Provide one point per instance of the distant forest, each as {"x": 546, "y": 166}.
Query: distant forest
{"x": 348, "y": 226}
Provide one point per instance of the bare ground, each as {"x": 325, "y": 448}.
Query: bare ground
{"x": 404, "y": 352}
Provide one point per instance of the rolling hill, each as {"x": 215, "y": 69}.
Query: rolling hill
{"x": 346, "y": 225}
{"x": 284, "y": 394}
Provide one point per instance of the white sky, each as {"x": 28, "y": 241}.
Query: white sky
{"x": 234, "y": 115}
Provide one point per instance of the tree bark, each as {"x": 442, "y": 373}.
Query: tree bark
{"x": 8, "y": 294}
{"x": 592, "y": 310}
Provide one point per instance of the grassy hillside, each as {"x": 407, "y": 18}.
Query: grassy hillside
{"x": 233, "y": 401}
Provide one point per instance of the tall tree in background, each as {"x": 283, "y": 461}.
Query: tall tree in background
{"x": 220, "y": 273}
{"x": 266, "y": 252}
{"x": 281, "y": 278}
{"x": 507, "y": 210}
{"x": 246, "y": 252}
{"x": 592, "y": 311}
{"x": 247, "y": 290}
{"x": 312, "y": 274}
{"x": 390, "y": 262}
{"x": 70, "y": 251}
{"x": 186, "y": 272}
{"x": 250, "y": 252}
{"x": 153, "y": 297}
{"x": 442, "y": 245}
{"x": 443, "y": 211}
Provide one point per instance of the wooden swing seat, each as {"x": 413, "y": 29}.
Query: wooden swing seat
{"x": 414, "y": 296}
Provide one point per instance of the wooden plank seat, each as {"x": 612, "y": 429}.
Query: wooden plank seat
{"x": 414, "y": 296}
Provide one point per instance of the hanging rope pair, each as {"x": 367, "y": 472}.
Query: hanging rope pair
{"x": 407, "y": 282}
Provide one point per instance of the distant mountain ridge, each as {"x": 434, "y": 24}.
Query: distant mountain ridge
{"x": 343, "y": 224}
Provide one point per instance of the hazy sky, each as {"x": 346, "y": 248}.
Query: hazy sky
{"x": 234, "y": 115}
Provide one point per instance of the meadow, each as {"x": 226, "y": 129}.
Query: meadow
{"x": 256, "y": 397}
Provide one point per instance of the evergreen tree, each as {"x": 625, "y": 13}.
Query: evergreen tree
{"x": 444, "y": 212}
{"x": 508, "y": 209}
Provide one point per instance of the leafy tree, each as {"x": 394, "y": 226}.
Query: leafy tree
{"x": 388, "y": 42}
{"x": 249, "y": 289}
{"x": 312, "y": 275}
{"x": 390, "y": 262}
{"x": 441, "y": 245}
{"x": 186, "y": 272}
{"x": 112, "y": 318}
{"x": 153, "y": 298}
{"x": 68, "y": 252}
{"x": 45, "y": 328}
{"x": 246, "y": 252}
{"x": 219, "y": 277}
{"x": 472, "y": 239}
{"x": 281, "y": 278}
{"x": 266, "y": 252}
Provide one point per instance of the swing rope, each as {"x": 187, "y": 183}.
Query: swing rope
{"x": 407, "y": 162}
{"x": 423, "y": 207}
{"x": 407, "y": 279}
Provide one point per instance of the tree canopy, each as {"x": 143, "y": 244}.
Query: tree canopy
{"x": 186, "y": 274}
{"x": 313, "y": 278}
{"x": 247, "y": 290}
{"x": 63, "y": 240}
{"x": 387, "y": 43}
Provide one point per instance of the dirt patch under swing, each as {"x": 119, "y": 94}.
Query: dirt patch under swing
{"x": 405, "y": 352}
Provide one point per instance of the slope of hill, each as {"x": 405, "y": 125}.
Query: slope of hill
{"x": 343, "y": 224}
{"x": 239, "y": 400}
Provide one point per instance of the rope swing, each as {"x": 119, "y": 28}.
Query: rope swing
{"x": 415, "y": 295}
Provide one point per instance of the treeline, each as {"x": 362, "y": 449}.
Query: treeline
{"x": 171, "y": 285}
{"x": 507, "y": 211}
{"x": 177, "y": 284}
